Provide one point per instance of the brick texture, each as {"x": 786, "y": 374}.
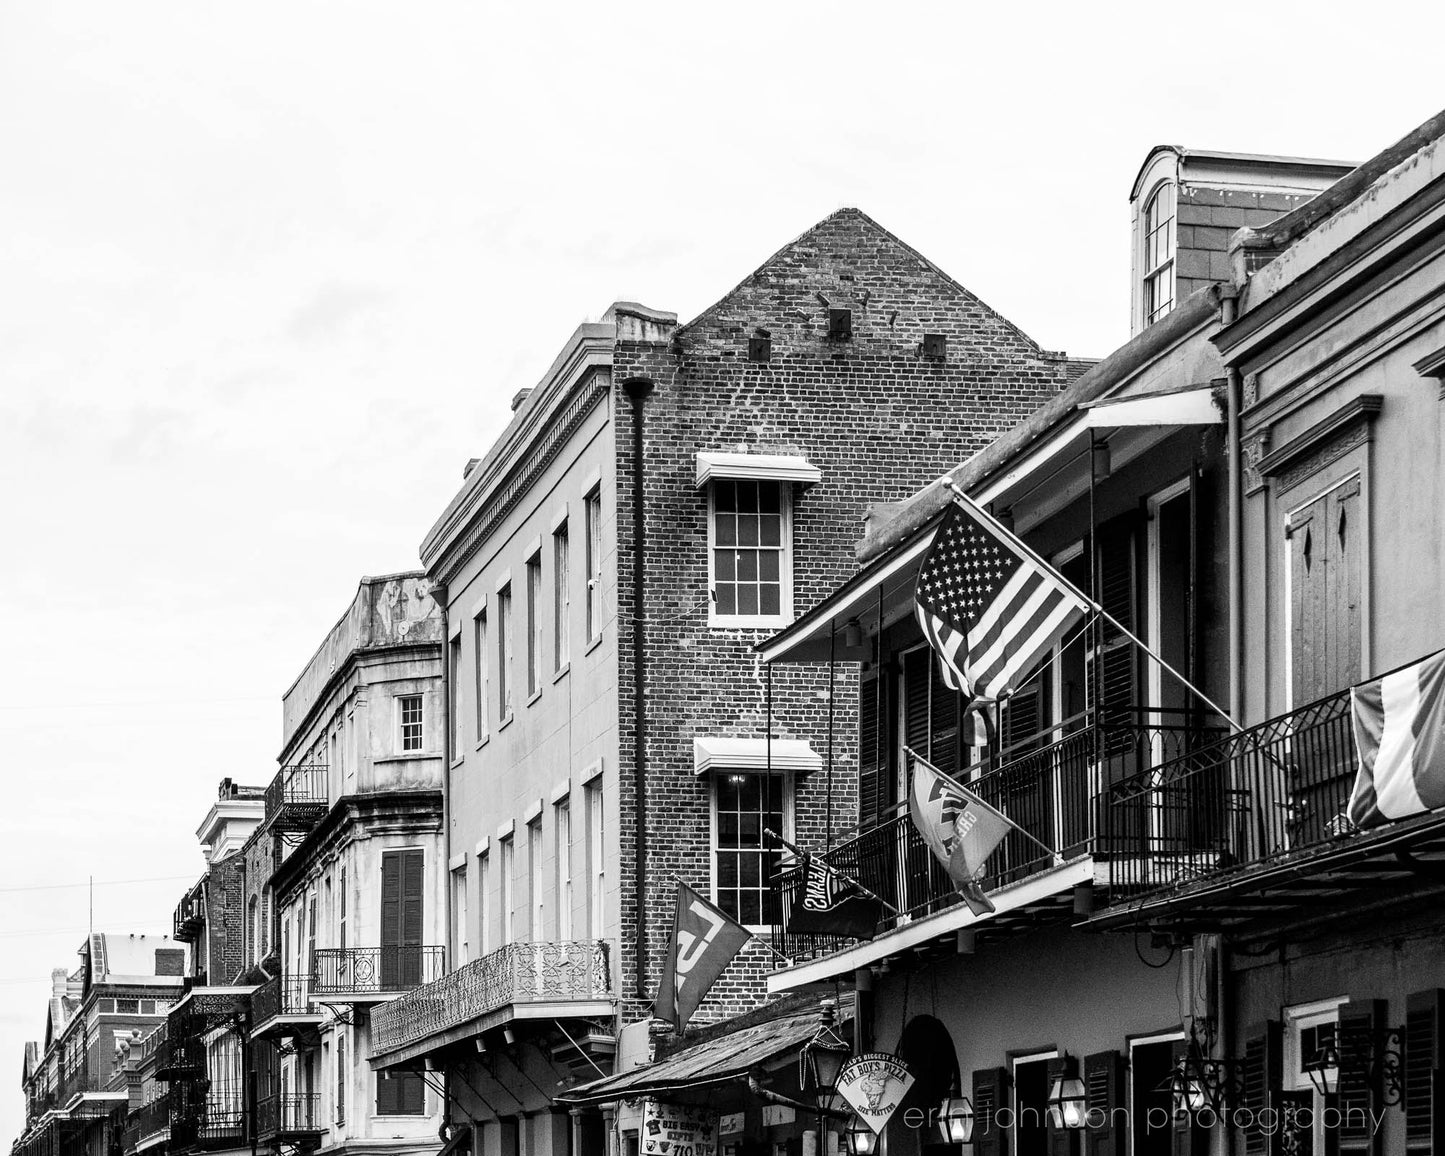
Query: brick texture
{"x": 880, "y": 420}
{"x": 225, "y": 920}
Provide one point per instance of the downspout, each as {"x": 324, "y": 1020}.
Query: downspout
{"x": 439, "y": 596}
{"x": 638, "y": 390}
{"x": 1229, "y": 310}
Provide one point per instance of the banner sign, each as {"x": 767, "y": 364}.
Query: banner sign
{"x": 678, "y": 1130}
{"x": 874, "y": 1084}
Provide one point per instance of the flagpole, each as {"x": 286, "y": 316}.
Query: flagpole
{"x": 798, "y": 851}
{"x": 978, "y": 511}
{"x": 949, "y": 778}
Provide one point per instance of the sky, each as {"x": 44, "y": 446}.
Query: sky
{"x": 271, "y": 272}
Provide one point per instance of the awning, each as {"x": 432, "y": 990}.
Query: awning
{"x": 724, "y": 1058}
{"x": 1185, "y": 405}
{"x": 713, "y": 753}
{"x": 776, "y": 467}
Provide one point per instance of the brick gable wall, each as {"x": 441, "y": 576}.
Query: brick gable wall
{"x": 880, "y": 420}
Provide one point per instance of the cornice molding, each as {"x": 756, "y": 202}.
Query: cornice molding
{"x": 1350, "y": 423}
{"x": 419, "y": 810}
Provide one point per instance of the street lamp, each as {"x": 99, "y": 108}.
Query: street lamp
{"x": 822, "y": 1057}
{"x": 955, "y": 1120}
{"x": 862, "y": 1140}
{"x": 1067, "y": 1103}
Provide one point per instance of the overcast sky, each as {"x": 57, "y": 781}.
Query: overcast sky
{"x": 269, "y": 273}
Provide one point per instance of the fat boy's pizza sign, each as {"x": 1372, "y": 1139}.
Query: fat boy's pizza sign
{"x": 678, "y": 1130}
{"x": 874, "y": 1084}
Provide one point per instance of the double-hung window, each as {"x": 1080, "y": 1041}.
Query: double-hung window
{"x": 534, "y": 624}
{"x": 1159, "y": 254}
{"x": 409, "y": 721}
{"x": 592, "y": 511}
{"x": 744, "y": 859}
{"x": 479, "y": 674}
{"x": 561, "y": 599}
{"x": 504, "y": 652}
{"x": 563, "y": 827}
{"x": 750, "y": 552}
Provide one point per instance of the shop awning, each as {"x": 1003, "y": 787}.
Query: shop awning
{"x": 715, "y": 753}
{"x": 724, "y": 1058}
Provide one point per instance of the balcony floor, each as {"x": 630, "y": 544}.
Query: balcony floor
{"x": 510, "y": 1013}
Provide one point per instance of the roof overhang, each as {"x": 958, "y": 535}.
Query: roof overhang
{"x": 713, "y": 464}
{"x": 559, "y": 1009}
{"x": 714, "y": 753}
{"x": 1187, "y": 405}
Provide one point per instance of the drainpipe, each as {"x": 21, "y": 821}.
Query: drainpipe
{"x": 1229, "y": 310}
{"x": 439, "y": 596}
{"x": 638, "y": 390}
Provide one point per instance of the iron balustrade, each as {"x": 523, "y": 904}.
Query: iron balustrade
{"x": 1050, "y": 785}
{"x": 147, "y": 1121}
{"x": 297, "y": 792}
{"x": 1250, "y": 798}
{"x": 517, "y": 973}
{"x": 213, "y": 1115}
{"x": 288, "y": 1112}
{"x": 344, "y": 971}
{"x": 281, "y": 995}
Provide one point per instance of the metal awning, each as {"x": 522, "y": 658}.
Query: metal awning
{"x": 715, "y": 753}
{"x": 720, "y": 1060}
{"x": 1180, "y": 406}
{"x": 713, "y": 464}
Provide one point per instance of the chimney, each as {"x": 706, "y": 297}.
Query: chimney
{"x": 519, "y": 397}
{"x": 59, "y": 981}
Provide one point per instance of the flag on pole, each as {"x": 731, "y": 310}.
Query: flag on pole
{"x": 960, "y": 829}
{"x": 704, "y": 941}
{"x": 988, "y": 607}
{"x": 1399, "y": 723}
{"x": 829, "y": 903}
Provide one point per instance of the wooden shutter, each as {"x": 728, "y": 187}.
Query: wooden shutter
{"x": 943, "y": 715}
{"x": 1061, "y": 1140}
{"x": 916, "y": 699}
{"x": 1359, "y": 1093}
{"x": 401, "y": 918}
{"x": 1104, "y": 1086}
{"x": 870, "y": 774}
{"x": 990, "y": 1086}
{"x": 1113, "y": 664}
{"x": 1260, "y": 1078}
{"x": 1022, "y": 719}
{"x": 1325, "y": 545}
{"x": 387, "y": 1093}
{"x": 1424, "y": 1049}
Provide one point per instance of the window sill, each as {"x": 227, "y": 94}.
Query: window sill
{"x": 757, "y": 622}
{"x": 409, "y": 757}
{"x": 592, "y": 644}
{"x": 458, "y": 761}
{"x": 534, "y": 696}
{"x": 505, "y": 722}
{"x": 483, "y": 741}
{"x": 561, "y": 672}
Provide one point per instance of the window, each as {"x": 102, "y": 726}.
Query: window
{"x": 504, "y": 652}
{"x": 409, "y": 718}
{"x": 400, "y": 1094}
{"x": 459, "y": 916}
{"x": 509, "y": 891}
{"x": 534, "y": 624}
{"x": 593, "y": 512}
{"x": 596, "y": 862}
{"x": 402, "y": 911}
{"x": 745, "y": 860}
{"x": 1159, "y": 254}
{"x": 534, "y": 881}
{"x": 127, "y": 1006}
{"x": 484, "y": 907}
{"x": 1311, "y": 1053}
{"x": 479, "y": 656}
{"x": 564, "y": 870}
{"x": 341, "y": 911}
{"x": 749, "y": 552}
{"x": 341, "y": 1077}
{"x": 454, "y": 692}
{"x": 254, "y": 926}
{"x": 561, "y": 599}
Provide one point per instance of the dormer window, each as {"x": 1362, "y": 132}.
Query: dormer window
{"x": 1159, "y": 254}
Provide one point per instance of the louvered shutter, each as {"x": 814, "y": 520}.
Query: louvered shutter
{"x": 943, "y": 716}
{"x": 870, "y": 775}
{"x": 1113, "y": 663}
{"x": 1424, "y": 1118}
{"x": 1359, "y": 1093}
{"x": 1181, "y": 1124}
{"x": 1260, "y": 1079}
{"x": 989, "y": 1088}
{"x": 387, "y": 1097}
{"x": 1104, "y": 1086}
{"x": 412, "y": 876}
{"x": 916, "y": 699}
{"x": 1022, "y": 719}
{"x": 1061, "y": 1140}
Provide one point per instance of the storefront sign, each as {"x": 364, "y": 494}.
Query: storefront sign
{"x": 775, "y": 1114}
{"x": 678, "y": 1130}
{"x": 874, "y": 1084}
{"x": 730, "y": 1125}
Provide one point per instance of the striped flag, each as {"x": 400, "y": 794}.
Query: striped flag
{"x": 988, "y": 608}
{"x": 1400, "y": 739}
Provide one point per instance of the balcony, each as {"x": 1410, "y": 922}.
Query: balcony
{"x": 148, "y": 1125}
{"x": 218, "y": 1119}
{"x": 1253, "y": 827}
{"x": 289, "y": 1117}
{"x": 181, "y": 1050}
{"x": 364, "y": 974}
{"x": 190, "y": 914}
{"x": 1050, "y": 786}
{"x": 296, "y": 798}
{"x": 519, "y": 981}
{"x": 281, "y": 1007}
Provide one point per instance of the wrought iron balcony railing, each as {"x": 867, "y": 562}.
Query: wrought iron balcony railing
{"x": 146, "y": 1122}
{"x": 214, "y": 1118}
{"x": 515, "y": 974}
{"x": 181, "y": 1054}
{"x": 296, "y": 797}
{"x": 289, "y": 1113}
{"x": 1250, "y": 798}
{"x": 73, "y": 1083}
{"x": 190, "y": 914}
{"x": 282, "y": 995}
{"x": 366, "y": 971}
{"x": 1049, "y": 786}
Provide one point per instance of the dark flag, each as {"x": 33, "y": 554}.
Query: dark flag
{"x": 704, "y": 941}
{"x": 829, "y": 904}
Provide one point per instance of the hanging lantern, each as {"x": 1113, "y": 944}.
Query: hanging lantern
{"x": 822, "y": 1057}
{"x": 862, "y": 1140}
{"x": 955, "y": 1120}
{"x": 1068, "y": 1106}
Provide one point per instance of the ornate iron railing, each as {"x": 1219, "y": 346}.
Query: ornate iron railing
{"x": 517, "y": 973}
{"x": 1050, "y": 786}
{"x": 213, "y": 1115}
{"x": 147, "y": 1121}
{"x": 345, "y": 971}
{"x": 297, "y": 793}
{"x": 191, "y": 913}
{"x": 182, "y": 1052}
{"x": 1253, "y": 797}
{"x": 287, "y": 1113}
{"x": 282, "y": 995}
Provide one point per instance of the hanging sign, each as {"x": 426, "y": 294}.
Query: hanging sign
{"x": 874, "y": 1084}
{"x": 678, "y": 1130}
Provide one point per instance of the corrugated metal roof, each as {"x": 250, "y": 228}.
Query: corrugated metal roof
{"x": 722, "y": 1058}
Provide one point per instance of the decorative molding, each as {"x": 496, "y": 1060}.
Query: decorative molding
{"x": 1252, "y": 452}
{"x": 1326, "y": 441}
{"x": 1250, "y": 392}
{"x": 1433, "y": 365}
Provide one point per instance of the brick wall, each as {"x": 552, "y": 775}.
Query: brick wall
{"x": 259, "y": 862}
{"x": 1206, "y": 219}
{"x": 225, "y": 919}
{"x": 880, "y": 420}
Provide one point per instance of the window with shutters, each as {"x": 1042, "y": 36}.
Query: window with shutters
{"x": 744, "y": 859}
{"x": 563, "y": 828}
{"x": 596, "y": 861}
{"x": 1424, "y": 1047}
{"x": 1031, "y": 1078}
{"x": 1112, "y": 660}
{"x": 459, "y": 916}
{"x": 400, "y": 1094}
{"x": 1260, "y": 1085}
{"x": 341, "y": 1074}
{"x": 990, "y": 1095}
{"x": 1325, "y": 539}
{"x": 402, "y": 890}
{"x": 874, "y": 784}
{"x": 1311, "y": 1053}
{"x": 536, "y": 898}
{"x": 484, "y": 902}
{"x": 929, "y": 710}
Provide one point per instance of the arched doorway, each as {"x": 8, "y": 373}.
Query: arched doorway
{"x": 927, "y": 1049}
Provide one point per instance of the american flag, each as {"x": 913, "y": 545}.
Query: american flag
{"x": 988, "y": 609}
